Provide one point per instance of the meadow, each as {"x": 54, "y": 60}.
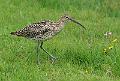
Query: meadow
{"x": 83, "y": 55}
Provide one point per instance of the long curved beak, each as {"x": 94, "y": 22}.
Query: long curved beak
{"x": 76, "y": 22}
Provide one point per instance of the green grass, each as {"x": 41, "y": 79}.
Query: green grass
{"x": 80, "y": 53}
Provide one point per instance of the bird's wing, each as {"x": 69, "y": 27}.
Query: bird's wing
{"x": 33, "y": 30}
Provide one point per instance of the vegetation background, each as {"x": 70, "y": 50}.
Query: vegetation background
{"x": 82, "y": 55}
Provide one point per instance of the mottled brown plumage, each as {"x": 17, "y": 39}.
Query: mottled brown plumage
{"x": 44, "y": 30}
{"x": 38, "y": 31}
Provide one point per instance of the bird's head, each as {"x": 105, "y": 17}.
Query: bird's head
{"x": 66, "y": 18}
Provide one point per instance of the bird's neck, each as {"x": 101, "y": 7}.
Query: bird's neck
{"x": 62, "y": 22}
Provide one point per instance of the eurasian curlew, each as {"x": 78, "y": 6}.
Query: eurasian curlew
{"x": 44, "y": 30}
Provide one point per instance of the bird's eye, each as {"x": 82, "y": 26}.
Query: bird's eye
{"x": 67, "y": 17}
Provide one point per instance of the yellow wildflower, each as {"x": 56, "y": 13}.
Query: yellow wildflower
{"x": 86, "y": 71}
{"x": 110, "y": 47}
{"x": 105, "y": 50}
{"x": 115, "y": 40}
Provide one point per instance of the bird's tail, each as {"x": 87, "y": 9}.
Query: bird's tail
{"x": 13, "y": 33}
{"x": 16, "y": 33}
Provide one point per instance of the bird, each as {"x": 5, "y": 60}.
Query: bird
{"x": 44, "y": 30}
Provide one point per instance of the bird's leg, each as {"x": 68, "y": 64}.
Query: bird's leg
{"x": 38, "y": 52}
{"x": 52, "y": 57}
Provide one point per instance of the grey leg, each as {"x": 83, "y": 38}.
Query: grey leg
{"x": 51, "y": 56}
{"x": 38, "y": 52}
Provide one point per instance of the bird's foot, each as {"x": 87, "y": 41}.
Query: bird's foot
{"x": 52, "y": 58}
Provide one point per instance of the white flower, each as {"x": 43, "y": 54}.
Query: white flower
{"x": 108, "y": 33}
